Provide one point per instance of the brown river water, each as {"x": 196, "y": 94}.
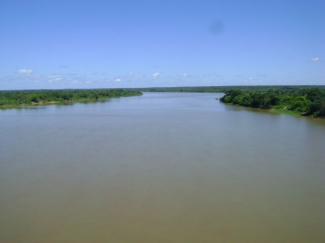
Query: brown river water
{"x": 163, "y": 167}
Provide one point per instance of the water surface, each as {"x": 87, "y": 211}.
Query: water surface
{"x": 164, "y": 167}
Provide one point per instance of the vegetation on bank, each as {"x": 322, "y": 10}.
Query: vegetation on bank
{"x": 37, "y": 97}
{"x": 305, "y": 101}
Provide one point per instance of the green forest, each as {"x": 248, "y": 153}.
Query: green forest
{"x": 38, "y": 97}
{"x": 305, "y": 101}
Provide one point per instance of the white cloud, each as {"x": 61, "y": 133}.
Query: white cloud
{"x": 184, "y": 74}
{"x": 315, "y": 59}
{"x": 25, "y": 71}
{"x": 118, "y": 80}
{"x": 131, "y": 73}
{"x": 156, "y": 75}
{"x": 54, "y": 79}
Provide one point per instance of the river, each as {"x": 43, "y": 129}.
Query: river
{"x": 162, "y": 167}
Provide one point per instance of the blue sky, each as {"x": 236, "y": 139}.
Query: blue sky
{"x": 55, "y": 44}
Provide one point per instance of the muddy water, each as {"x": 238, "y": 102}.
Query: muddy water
{"x": 164, "y": 167}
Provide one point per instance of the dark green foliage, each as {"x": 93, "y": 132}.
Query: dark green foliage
{"x": 307, "y": 101}
{"x": 16, "y": 98}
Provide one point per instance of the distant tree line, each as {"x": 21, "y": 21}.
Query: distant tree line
{"x": 306, "y": 101}
{"x": 28, "y": 97}
{"x": 222, "y": 89}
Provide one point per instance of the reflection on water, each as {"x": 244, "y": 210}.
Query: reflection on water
{"x": 164, "y": 167}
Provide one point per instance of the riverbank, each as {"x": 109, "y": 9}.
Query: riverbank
{"x": 306, "y": 102}
{"x": 16, "y": 99}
